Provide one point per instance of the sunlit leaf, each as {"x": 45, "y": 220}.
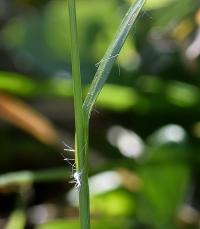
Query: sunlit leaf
{"x": 17, "y": 84}
{"x": 95, "y": 224}
{"x": 182, "y": 94}
{"x": 115, "y": 203}
{"x": 154, "y": 4}
{"x": 23, "y": 178}
{"x": 117, "y": 98}
{"x": 17, "y": 220}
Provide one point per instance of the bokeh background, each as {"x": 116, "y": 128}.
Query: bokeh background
{"x": 144, "y": 132}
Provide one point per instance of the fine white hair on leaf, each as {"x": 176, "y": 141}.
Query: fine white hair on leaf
{"x": 109, "y": 58}
{"x": 76, "y": 180}
{"x": 95, "y": 111}
{"x": 69, "y": 161}
{"x": 68, "y": 148}
{"x": 147, "y": 14}
{"x": 76, "y": 175}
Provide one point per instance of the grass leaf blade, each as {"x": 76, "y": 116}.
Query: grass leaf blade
{"x": 106, "y": 64}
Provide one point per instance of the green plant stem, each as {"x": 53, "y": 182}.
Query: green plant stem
{"x": 83, "y": 110}
{"x": 77, "y": 85}
{"x": 80, "y": 144}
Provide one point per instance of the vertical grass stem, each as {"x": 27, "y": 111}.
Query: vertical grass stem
{"x": 80, "y": 144}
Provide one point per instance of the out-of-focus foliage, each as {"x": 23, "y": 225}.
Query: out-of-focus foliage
{"x": 145, "y": 130}
{"x": 114, "y": 224}
{"x": 17, "y": 220}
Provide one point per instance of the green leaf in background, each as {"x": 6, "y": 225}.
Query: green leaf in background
{"x": 17, "y": 220}
{"x": 154, "y": 4}
{"x": 178, "y": 11}
{"x": 29, "y": 177}
{"x": 150, "y": 92}
{"x": 25, "y": 86}
{"x": 163, "y": 192}
{"x": 165, "y": 177}
{"x": 96, "y": 224}
{"x": 118, "y": 203}
{"x": 17, "y": 84}
{"x": 182, "y": 94}
{"x": 43, "y": 40}
{"x": 117, "y": 98}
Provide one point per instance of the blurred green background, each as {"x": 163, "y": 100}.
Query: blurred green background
{"x": 145, "y": 130}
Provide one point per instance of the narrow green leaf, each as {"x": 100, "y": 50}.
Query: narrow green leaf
{"x": 106, "y": 64}
{"x": 28, "y": 177}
